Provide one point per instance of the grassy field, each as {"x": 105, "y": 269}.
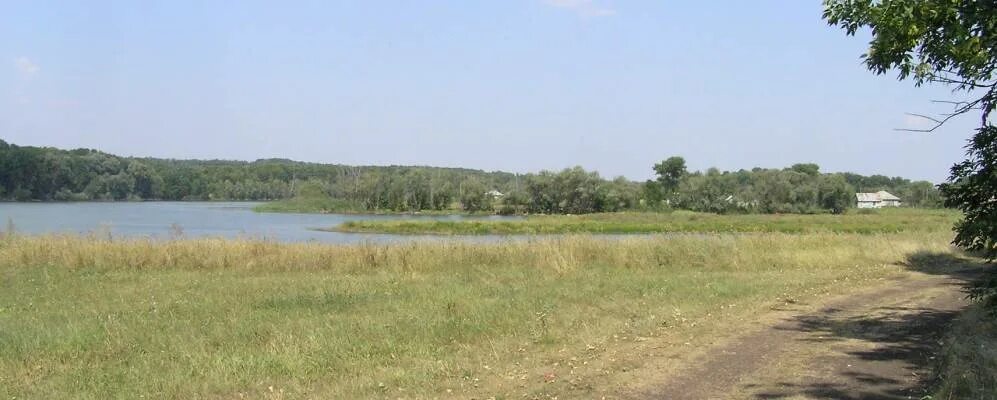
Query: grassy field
{"x": 90, "y": 318}
{"x": 879, "y": 221}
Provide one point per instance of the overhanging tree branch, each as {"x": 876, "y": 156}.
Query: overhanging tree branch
{"x": 961, "y": 107}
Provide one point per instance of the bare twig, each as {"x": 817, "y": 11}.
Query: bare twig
{"x": 960, "y": 83}
{"x": 938, "y": 123}
{"x": 924, "y": 116}
{"x": 984, "y": 103}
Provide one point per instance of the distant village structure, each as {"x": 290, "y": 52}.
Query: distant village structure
{"x": 879, "y": 199}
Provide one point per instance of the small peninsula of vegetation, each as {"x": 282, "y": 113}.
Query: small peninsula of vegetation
{"x": 855, "y": 221}
{"x": 310, "y": 199}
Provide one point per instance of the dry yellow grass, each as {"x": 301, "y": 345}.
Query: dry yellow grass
{"x": 224, "y": 319}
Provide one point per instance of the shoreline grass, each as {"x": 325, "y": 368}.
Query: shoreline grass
{"x": 308, "y": 205}
{"x": 221, "y": 318}
{"x": 882, "y": 221}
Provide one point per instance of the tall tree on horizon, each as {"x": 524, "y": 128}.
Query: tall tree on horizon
{"x": 670, "y": 173}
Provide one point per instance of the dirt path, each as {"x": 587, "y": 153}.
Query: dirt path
{"x": 876, "y": 344}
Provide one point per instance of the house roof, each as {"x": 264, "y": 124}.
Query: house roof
{"x": 881, "y": 195}
{"x": 884, "y": 195}
{"x": 867, "y": 197}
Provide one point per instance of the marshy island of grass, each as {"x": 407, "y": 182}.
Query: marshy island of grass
{"x": 311, "y": 200}
{"x": 855, "y": 221}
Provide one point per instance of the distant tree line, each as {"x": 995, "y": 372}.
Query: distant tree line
{"x": 48, "y": 174}
{"x": 573, "y": 191}
{"x": 801, "y": 188}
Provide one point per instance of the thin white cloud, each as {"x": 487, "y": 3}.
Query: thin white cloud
{"x": 584, "y": 8}
{"x": 917, "y": 122}
{"x": 26, "y": 67}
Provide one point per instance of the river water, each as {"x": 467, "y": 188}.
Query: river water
{"x": 164, "y": 220}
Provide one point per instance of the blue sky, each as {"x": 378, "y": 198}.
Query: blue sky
{"x": 516, "y": 85}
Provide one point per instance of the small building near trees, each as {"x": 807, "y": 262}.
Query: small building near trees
{"x": 879, "y": 199}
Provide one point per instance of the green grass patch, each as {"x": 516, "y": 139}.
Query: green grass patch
{"x": 866, "y": 222}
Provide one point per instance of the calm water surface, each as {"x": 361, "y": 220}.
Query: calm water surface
{"x": 196, "y": 219}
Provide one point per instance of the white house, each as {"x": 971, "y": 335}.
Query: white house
{"x": 879, "y": 199}
{"x": 494, "y": 193}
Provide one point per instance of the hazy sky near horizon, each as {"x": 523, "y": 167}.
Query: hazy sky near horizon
{"x": 515, "y": 85}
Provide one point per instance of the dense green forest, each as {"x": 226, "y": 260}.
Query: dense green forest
{"x": 34, "y": 173}
{"x": 49, "y": 174}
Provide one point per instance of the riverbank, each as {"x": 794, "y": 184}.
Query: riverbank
{"x": 564, "y": 317}
{"x": 855, "y": 221}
